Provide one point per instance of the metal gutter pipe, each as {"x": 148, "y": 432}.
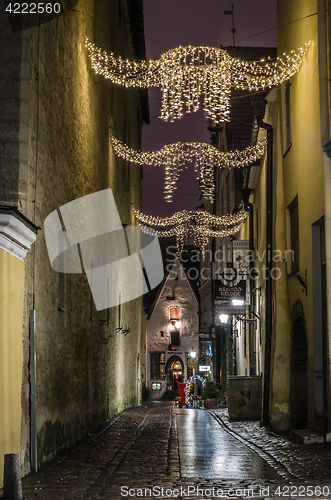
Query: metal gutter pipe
{"x": 326, "y": 153}
{"x": 252, "y": 367}
{"x": 259, "y": 110}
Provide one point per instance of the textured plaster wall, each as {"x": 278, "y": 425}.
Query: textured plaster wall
{"x": 59, "y": 127}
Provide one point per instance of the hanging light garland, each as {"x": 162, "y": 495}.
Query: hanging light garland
{"x": 191, "y": 380}
{"x": 186, "y": 74}
{"x": 197, "y": 223}
{"x": 174, "y": 157}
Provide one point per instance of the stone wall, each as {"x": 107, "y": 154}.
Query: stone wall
{"x": 63, "y": 118}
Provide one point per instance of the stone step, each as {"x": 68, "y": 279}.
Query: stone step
{"x": 306, "y": 436}
{"x": 169, "y": 395}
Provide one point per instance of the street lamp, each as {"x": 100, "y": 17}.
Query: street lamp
{"x": 224, "y": 318}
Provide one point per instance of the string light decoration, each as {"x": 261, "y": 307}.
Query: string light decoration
{"x": 205, "y": 157}
{"x": 197, "y": 223}
{"x": 188, "y": 74}
{"x": 191, "y": 380}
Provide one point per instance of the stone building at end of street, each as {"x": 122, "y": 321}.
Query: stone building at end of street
{"x": 172, "y": 326}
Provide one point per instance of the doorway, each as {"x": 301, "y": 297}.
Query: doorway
{"x": 299, "y": 379}
{"x": 175, "y": 372}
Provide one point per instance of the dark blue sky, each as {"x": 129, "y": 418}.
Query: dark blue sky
{"x": 169, "y": 24}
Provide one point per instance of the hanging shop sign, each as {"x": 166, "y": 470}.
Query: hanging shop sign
{"x": 204, "y": 368}
{"x": 228, "y": 308}
{"x": 229, "y": 292}
{"x": 192, "y": 364}
{"x": 241, "y": 254}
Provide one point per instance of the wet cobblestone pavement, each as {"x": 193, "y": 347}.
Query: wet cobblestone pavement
{"x": 291, "y": 460}
{"x": 140, "y": 450}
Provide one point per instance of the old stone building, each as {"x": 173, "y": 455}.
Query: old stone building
{"x": 57, "y": 118}
{"x": 172, "y": 327}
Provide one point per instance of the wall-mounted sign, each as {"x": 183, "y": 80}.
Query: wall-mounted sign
{"x": 156, "y": 386}
{"x": 226, "y": 292}
{"x": 209, "y": 351}
{"x": 204, "y": 368}
{"x": 192, "y": 364}
{"x": 228, "y": 308}
{"x": 241, "y": 253}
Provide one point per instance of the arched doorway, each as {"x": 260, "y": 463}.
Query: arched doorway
{"x": 175, "y": 372}
{"x": 299, "y": 379}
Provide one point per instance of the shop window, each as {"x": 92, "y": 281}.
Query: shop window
{"x": 157, "y": 365}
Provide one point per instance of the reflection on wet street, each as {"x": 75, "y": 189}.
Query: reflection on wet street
{"x": 207, "y": 451}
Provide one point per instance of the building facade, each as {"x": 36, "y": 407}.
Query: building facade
{"x": 172, "y": 327}
{"x": 57, "y": 120}
{"x": 294, "y": 361}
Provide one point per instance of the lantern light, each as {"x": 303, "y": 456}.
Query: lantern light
{"x": 224, "y": 318}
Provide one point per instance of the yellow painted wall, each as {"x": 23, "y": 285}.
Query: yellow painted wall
{"x": 302, "y": 166}
{"x": 11, "y": 353}
{"x": 300, "y": 173}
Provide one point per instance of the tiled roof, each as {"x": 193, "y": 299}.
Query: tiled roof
{"x": 241, "y": 113}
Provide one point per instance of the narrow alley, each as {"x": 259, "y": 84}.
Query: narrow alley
{"x": 157, "y": 450}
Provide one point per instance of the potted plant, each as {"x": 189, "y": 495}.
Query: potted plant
{"x": 145, "y": 392}
{"x": 209, "y": 394}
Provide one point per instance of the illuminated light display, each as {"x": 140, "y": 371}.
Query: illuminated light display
{"x": 205, "y": 157}
{"x": 197, "y": 223}
{"x": 192, "y": 76}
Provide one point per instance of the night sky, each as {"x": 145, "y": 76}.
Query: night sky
{"x": 192, "y": 22}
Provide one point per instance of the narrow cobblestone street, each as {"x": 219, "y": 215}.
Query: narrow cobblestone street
{"x": 159, "y": 446}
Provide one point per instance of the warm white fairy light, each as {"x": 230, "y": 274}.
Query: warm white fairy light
{"x": 200, "y": 224}
{"x": 186, "y": 74}
{"x": 206, "y": 157}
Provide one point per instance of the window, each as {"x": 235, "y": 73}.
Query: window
{"x": 174, "y": 313}
{"x": 293, "y": 236}
{"x": 157, "y": 365}
{"x": 175, "y": 340}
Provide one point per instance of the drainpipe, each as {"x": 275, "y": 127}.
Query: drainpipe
{"x": 250, "y": 208}
{"x": 259, "y": 109}
{"x": 326, "y": 154}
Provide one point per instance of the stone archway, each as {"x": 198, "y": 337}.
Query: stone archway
{"x": 174, "y": 372}
{"x": 299, "y": 378}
